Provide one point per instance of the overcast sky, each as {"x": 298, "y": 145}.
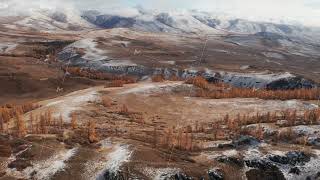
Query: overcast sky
{"x": 303, "y": 11}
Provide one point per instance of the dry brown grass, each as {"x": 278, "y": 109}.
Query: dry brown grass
{"x": 106, "y": 101}
{"x": 157, "y": 78}
{"x": 124, "y": 110}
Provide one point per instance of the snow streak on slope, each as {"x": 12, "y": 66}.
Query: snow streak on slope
{"x": 111, "y": 158}
{"x": 45, "y": 169}
{"x": 91, "y": 52}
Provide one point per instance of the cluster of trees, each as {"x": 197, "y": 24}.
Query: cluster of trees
{"x": 10, "y": 111}
{"x": 234, "y": 126}
{"x": 45, "y": 123}
{"x": 178, "y": 138}
{"x": 225, "y": 91}
{"x": 305, "y": 94}
{"x": 94, "y": 74}
{"x": 199, "y": 82}
{"x": 158, "y": 78}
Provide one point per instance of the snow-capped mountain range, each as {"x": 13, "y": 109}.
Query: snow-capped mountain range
{"x": 191, "y": 21}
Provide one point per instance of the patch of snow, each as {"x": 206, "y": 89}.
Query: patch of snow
{"x": 277, "y": 152}
{"x": 108, "y": 161}
{"x": 124, "y": 43}
{"x": 244, "y": 67}
{"x": 252, "y": 153}
{"x": 230, "y": 153}
{"x": 47, "y": 168}
{"x": 275, "y": 62}
{"x": 159, "y": 173}
{"x": 120, "y": 155}
{"x": 10, "y": 26}
{"x": 168, "y": 62}
{"x": 215, "y": 144}
{"x": 153, "y": 87}
{"x": 310, "y": 168}
{"x": 307, "y": 130}
{"x": 65, "y": 105}
{"x": 118, "y": 63}
{"x": 257, "y": 80}
{"x": 273, "y": 55}
{"x": 91, "y": 51}
{"x": 7, "y": 47}
{"x": 44, "y": 170}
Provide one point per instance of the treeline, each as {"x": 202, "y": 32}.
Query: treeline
{"x": 10, "y": 111}
{"x": 114, "y": 80}
{"x": 45, "y": 123}
{"x": 210, "y": 91}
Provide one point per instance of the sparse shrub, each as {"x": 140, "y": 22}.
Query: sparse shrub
{"x": 124, "y": 110}
{"x": 198, "y": 82}
{"x": 115, "y": 83}
{"x": 31, "y": 123}
{"x": 92, "y": 135}
{"x": 174, "y": 78}
{"x": 60, "y": 122}
{"x": 21, "y": 127}
{"x": 158, "y": 78}
{"x": 106, "y": 101}
{"x": 74, "y": 123}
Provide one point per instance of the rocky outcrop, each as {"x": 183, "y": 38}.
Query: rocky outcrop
{"x": 245, "y": 141}
{"x": 292, "y": 158}
{"x": 178, "y": 176}
{"x": 215, "y": 174}
{"x": 109, "y": 175}
{"x": 231, "y": 161}
{"x": 263, "y": 170}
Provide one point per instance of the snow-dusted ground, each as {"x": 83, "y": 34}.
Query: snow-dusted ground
{"x": 159, "y": 173}
{"x": 258, "y": 80}
{"x": 308, "y": 169}
{"x": 116, "y": 158}
{"x": 44, "y": 170}
{"x": 119, "y": 63}
{"x": 273, "y": 55}
{"x": 50, "y": 20}
{"x": 313, "y": 130}
{"x": 65, "y": 105}
{"x": 112, "y": 157}
{"x": 89, "y": 45}
{"x": 154, "y": 87}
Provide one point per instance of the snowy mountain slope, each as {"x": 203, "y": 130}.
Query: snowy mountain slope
{"x": 191, "y": 21}
{"x": 201, "y": 22}
{"x": 50, "y": 20}
{"x": 153, "y": 22}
